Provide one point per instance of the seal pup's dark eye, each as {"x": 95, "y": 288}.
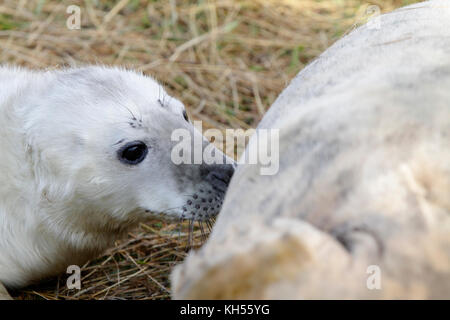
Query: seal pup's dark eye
{"x": 185, "y": 116}
{"x": 133, "y": 152}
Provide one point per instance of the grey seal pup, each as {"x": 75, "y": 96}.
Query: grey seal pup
{"x": 86, "y": 154}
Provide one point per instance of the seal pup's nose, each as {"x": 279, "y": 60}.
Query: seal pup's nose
{"x": 220, "y": 176}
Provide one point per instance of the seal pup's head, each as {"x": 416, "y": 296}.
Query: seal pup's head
{"x": 101, "y": 147}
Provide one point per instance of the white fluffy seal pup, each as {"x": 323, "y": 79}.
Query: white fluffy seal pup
{"x": 85, "y": 155}
{"x": 360, "y": 207}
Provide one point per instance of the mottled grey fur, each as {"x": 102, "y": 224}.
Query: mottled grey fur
{"x": 364, "y": 177}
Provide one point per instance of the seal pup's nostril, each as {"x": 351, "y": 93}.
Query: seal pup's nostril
{"x": 220, "y": 177}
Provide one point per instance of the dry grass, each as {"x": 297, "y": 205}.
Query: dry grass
{"x": 227, "y": 60}
{"x": 135, "y": 268}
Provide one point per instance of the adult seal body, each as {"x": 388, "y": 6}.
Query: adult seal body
{"x": 360, "y": 207}
{"x": 86, "y": 155}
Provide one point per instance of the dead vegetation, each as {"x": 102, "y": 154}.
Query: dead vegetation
{"x": 227, "y": 60}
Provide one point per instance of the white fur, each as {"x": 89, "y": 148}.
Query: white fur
{"x": 64, "y": 196}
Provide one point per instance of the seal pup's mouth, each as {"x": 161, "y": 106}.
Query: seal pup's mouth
{"x": 205, "y": 202}
{"x": 203, "y": 205}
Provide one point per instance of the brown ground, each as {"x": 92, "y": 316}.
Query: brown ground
{"x": 227, "y": 60}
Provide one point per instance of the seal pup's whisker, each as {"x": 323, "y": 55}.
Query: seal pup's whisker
{"x": 179, "y": 227}
{"x": 123, "y": 122}
{"x": 202, "y": 230}
{"x": 191, "y": 233}
{"x": 123, "y": 105}
{"x": 209, "y": 225}
{"x": 173, "y": 208}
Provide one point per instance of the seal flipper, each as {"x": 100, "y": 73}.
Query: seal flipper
{"x": 287, "y": 258}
